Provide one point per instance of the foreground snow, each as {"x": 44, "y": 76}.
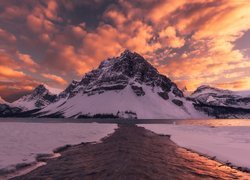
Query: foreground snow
{"x": 228, "y": 144}
{"x": 21, "y": 142}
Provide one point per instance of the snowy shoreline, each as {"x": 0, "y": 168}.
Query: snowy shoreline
{"x": 223, "y": 144}
{"x": 23, "y": 144}
{"x": 130, "y": 153}
{"x": 230, "y": 145}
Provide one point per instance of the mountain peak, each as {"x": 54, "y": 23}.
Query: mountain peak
{"x": 38, "y": 98}
{"x": 40, "y": 89}
{"x": 40, "y": 86}
{"x": 127, "y": 53}
{"x": 117, "y": 73}
{"x": 206, "y": 89}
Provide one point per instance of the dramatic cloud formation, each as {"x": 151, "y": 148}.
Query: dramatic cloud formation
{"x": 55, "y": 78}
{"x": 194, "y": 42}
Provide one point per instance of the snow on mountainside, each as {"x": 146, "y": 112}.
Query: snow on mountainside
{"x": 214, "y": 96}
{"x": 2, "y": 101}
{"x": 52, "y": 90}
{"x": 38, "y": 98}
{"x": 205, "y": 89}
{"x": 242, "y": 93}
{"x": 222, "y": 103}
{"x": 6, "y": 109}
{"x": 126, "y": 86}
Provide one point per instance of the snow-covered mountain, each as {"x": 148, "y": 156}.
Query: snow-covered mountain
{"x": 2, "y": 101}
{"x": 129, "y": 87}
{"x": 214, "y": 96}
{"x": 37, "y": 99}
{"x": 126, "y": 86}
{"x": 222, "y": 103}
{"x": 6, "y": 109}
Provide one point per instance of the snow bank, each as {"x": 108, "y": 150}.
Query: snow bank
{"x": 228, "y": 144}
{"x": 21, "y": 142}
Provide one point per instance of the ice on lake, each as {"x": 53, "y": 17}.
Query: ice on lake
{"x": 226, "y": 143}
{"x": 21, "y": 142}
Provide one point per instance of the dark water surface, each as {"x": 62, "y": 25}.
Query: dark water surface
{"x": 205, "y": 122}
{"x": 132, "y": 153}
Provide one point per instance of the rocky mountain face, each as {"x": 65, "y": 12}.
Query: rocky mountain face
{"x": 8, "y": 111}
{"x": 37, "y": 99}
{"x": 221, "y": 103}
{"x": 124, "y": 86}
{"x": 130, "y": 69}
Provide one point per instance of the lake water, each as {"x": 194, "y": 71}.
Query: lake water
{"x": 205, "y": 122}
{"x": 21, "y": 134}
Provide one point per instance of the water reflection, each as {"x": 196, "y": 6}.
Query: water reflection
{"x": 207, "y": 168}
{"x": 216, "y": 122}
{"x": 204, "y": 122}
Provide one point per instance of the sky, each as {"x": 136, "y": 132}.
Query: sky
{"x": 193, "y": 42}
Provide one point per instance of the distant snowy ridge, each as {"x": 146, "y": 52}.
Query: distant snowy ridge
{"x": 6, "y": 108}
{"x": 2, "y": 101}
{"x": 215, "y": 96}
{"x": 38, "y": 98}
{"x": 222, "y": 103}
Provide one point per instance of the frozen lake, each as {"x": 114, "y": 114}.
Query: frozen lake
{"x": 23, "y": 139}
{"x": 21, "y": 142}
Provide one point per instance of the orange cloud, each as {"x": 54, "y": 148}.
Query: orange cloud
{"x": 55, "y": 78}
{"x": 168, "y": 38}
{"x": 6, "y": 36}
{"x": 40, "y": 19}
{"x": 228, "y": 20}
{"x": 193, "y": 42}
{"x": 14, "y": 90}
{"x": 241, "y": 84}
{"x": 25, "y": 58}
{"x": 117, "y": 17}
{"x": 7, "y": 60}
{"x": 79, "y": 31}
{"x": 7, "y": 72}
{"x": 34, "y": 23}
{"x": 51, "y": 10}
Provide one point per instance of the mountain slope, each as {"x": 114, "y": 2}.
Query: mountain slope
{"x": 37, "y": 99}
{"x": 126, "y": 86}
{"x": 222, "y": 103}
{"x": 2, "y": 101}
{"x": 214, "y": 96}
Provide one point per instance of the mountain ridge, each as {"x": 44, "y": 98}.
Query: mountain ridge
{"x": 38, "y": 98}
{"x": 221, "y": 103}
{"x": 128, "y": 86}
{"x": 128, "y": 82}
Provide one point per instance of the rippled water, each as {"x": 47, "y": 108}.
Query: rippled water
{"x": 183, "y": 161}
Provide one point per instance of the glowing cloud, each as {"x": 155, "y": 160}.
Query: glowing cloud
{"x": 193, "y": 42}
